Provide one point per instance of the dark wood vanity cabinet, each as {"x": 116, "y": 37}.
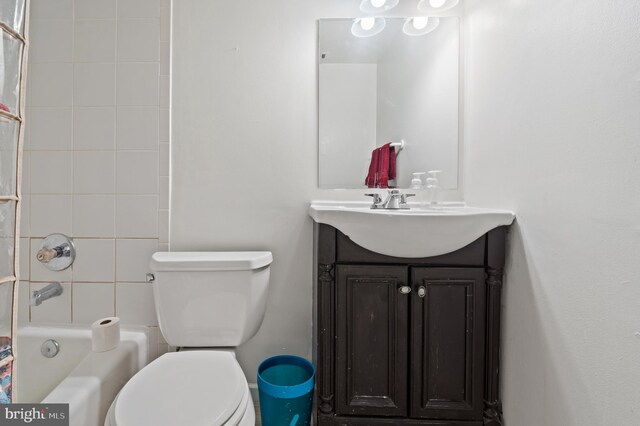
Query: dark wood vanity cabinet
{"x": 407, "y": 341}
{"x": 447, "y": 343}
{"x": 372, "y": 340}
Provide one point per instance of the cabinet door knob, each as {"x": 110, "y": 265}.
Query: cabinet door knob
{"x": 405, "y": 289}
{"x": 422, "y": 292}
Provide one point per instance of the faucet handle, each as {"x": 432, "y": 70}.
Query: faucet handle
{"x": 403, "y": 198}
{"x": 45, "y": 255}
{"x": 57, "y": 252}
{"x": 376, "y": 200}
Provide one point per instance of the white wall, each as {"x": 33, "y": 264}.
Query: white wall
{"x": 96, "y": 163}
{"x": 244, "y": 147}
{"x": 552, "y": 132}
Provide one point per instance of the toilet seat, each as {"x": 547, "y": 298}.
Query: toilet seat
{"x": 191, "y": 388}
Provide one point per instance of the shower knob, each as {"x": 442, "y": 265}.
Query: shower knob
{"x": 57, "y": 252}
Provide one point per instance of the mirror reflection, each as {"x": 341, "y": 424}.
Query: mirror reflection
{"x": 388, "y": 101}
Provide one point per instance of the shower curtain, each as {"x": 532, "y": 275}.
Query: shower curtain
{"x": 13, "y": 55}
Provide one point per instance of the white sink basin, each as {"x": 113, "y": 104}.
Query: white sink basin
{"x": 410, "y": 233}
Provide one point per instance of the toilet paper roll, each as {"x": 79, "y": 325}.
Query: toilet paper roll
{"x": 105, "y": 334}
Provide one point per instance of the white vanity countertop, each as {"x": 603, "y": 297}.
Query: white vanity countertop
{"x": 410, "y": 233}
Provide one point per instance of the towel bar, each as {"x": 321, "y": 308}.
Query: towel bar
{"x": 399, "y": 145}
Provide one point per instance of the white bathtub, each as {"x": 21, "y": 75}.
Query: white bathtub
{"x": 87, "y": 380}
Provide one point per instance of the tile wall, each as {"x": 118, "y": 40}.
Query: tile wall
{"x": 96, "y": 163}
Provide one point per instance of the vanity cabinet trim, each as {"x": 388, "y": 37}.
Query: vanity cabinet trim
{"x": 325, "y": 252}
{"x": 349, "y": 252}
{"x": 496, "y": 249}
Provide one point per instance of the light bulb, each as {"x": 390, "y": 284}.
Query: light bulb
{"x": 367, "y": 23}
{"x": 437, "y": 3}
{"x": 420, "y": 22}
{"x": 367, "y": 27}
{"x": 377, "y": 6}
{"x": 420, "y": 25}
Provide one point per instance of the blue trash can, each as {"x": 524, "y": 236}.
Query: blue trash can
{"x": 285, "y": 384}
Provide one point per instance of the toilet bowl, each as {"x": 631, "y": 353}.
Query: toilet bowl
{"x": 185, "y": 388}
{"x": 203, "y": 300}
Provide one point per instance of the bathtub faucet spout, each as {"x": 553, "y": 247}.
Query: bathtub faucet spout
{"x": 39, "y": 296}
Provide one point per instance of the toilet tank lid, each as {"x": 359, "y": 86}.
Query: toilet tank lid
{"x": 210, "y": 260}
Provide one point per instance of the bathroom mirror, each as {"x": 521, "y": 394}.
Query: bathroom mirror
{"x": 388, "y": 80}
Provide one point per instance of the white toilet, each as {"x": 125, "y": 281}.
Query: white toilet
{"x": 207, "y": 303}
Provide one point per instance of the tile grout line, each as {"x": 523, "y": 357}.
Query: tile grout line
{"x": 115, "y": 165}
{"x": 73, "y": 160}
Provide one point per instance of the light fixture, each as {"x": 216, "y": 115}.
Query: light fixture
{"x": 420, "y": 25}
{"x": 436, "y": 5}
{"x": 377, "y": 6}
{"x": 367, "y": 27}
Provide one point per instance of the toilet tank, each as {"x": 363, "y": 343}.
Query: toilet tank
{"x": 210, "y": 299}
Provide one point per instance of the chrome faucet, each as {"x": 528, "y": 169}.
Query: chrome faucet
{"x": 47, "y": 292}
{"x": 57, "y": 252}
{"x": 394, "y": 201}
{"x": 377, "y": 201}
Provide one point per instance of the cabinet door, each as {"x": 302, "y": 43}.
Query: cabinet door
{"x": 447, "y": 349}
{"x": 372, "y": 340}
